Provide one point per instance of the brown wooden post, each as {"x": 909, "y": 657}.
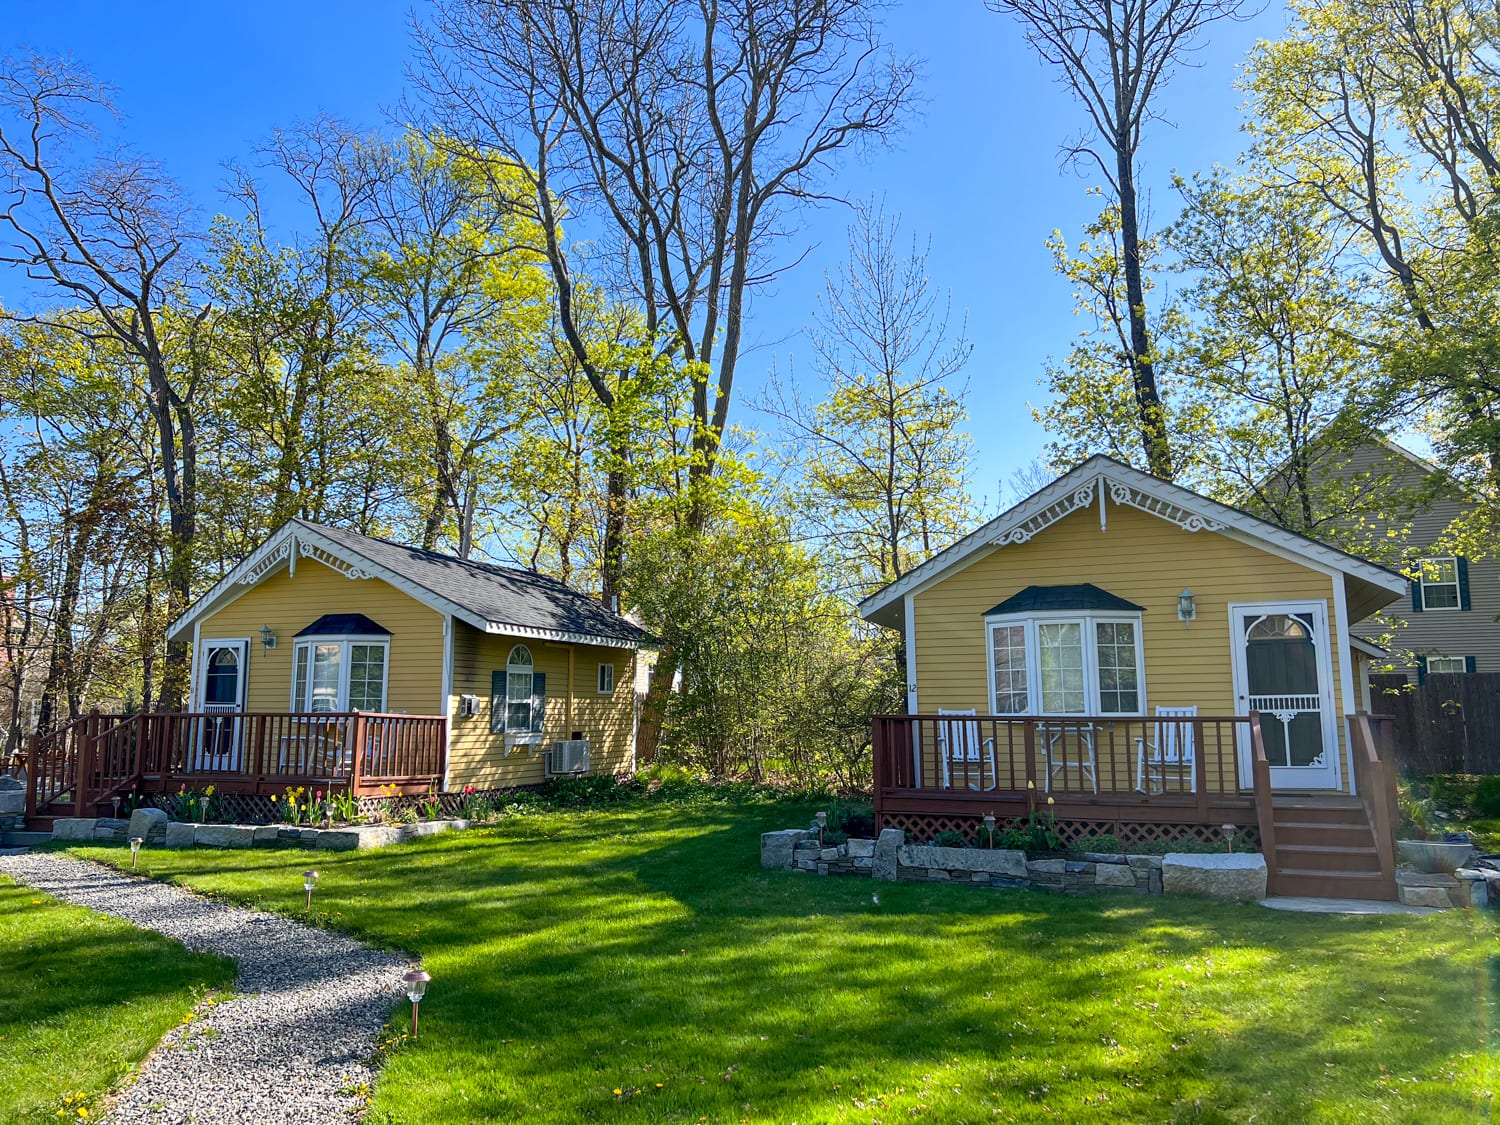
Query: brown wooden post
{"x": 356, "y": 751}
{"x": 1265, "y": 814}
{"x": 1198, "y": 770}
{"x": 1028, "y": 728}
{"x": 84, "y": 767}
{"x": 32, "y": 756}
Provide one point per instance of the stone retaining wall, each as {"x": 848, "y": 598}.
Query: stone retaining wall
{"x": 890, "y": 857}
{"x": 181, "y": 834}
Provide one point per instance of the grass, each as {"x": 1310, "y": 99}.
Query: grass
{"x": 636, "y": 965}
{"x": 66, "y": 1033}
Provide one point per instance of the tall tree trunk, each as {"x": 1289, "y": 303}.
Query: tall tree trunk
{"x": 1155, "y": 440}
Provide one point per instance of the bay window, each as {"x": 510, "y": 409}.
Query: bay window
{"x": 1066, "y": 664}
{"x": 339, "y": 674}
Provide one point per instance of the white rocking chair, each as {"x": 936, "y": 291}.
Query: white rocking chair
{"x": 960, "y": 746}
{"x": 1172, "y": 747}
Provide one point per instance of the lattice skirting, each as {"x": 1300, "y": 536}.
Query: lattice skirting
{"x": 254, "y": 808}
{"x": 921, "y": 827}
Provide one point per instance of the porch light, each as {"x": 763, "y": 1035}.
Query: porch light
{"x": 1186, "y": 607}
{"x": 135, "y": 850}
{"x": 267, "y": 639}
{"x": 309, "y": 881}
{"x": 416, "y": 988}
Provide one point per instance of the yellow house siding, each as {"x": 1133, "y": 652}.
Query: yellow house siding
{"x": 1141, "y": 558}
{"x": 289, "y": 603}
{"x": 477, "y": 757}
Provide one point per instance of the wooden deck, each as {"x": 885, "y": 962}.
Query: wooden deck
{"x": 77, "y": 769}
{"x": 1104, "y": 774}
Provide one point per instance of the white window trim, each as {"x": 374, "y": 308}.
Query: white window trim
{"x": 1462, "y": 662}
{"x": 200, "y": 668}
{"x": 1422, "y": 584}
{"x": 1088, "y": 619}
{"x": 599, "y": 682}
{"x": 526, "y": 738}
{"x": 345, "y": 640}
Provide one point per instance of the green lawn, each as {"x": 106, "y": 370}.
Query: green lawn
{"x": 82, "y": 999}
{"x": 636, "y": 965}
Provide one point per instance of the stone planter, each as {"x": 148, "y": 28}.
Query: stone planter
{"x": 1432, "y": 857}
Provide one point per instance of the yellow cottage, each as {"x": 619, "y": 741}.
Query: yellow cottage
{"x": 1159, "y": 665}
{"x": 334, "y": 660}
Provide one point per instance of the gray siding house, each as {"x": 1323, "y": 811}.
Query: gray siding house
{"x": 1449, "y": 623}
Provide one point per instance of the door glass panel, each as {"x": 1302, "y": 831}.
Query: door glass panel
{"x": 221, "y": 684}
{"x": 1281, "y": 669}
{"x": 1061, "y": 650}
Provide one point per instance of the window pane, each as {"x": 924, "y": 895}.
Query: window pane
{"x": 1061, "y": 650}
{"x": 367, "y": 678}
{"x": 1446, "y": 664}
{"x": 299, "y": 679}
{"x": 1010, "y": 669}
{"x": 518, "y": 695}
{"x": 1439, "y": 583}
{"x": 325, "y": 678}
{"x": 1119, "y": 684}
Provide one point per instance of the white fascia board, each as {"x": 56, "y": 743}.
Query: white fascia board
{"x": 558, "y": 636}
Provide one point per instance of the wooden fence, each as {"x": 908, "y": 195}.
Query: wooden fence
{"x": 1448, "y": 724}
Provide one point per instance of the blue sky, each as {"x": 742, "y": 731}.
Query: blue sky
{"x": 978, "y": 170}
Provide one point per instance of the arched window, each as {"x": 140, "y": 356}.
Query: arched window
{"x": 221, "y": 682}
{"x": 518, "y": 707}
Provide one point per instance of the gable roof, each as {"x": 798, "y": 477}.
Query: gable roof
{"x": 494, "y": 598}
{"x": 1103, "y": 480}
{"x": 1084, "y": 595}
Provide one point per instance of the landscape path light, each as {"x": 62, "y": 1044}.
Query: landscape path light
{"x": 416, "y": 988}
{"x": 309, "y": 881}
{"x": 135, "y": 850}
{"x": 822, "y": 819}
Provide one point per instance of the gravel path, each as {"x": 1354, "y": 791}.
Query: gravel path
{"x": 287, "y": 1049}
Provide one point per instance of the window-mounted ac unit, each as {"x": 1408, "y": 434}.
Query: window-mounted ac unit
{"x": 568, "y": 758}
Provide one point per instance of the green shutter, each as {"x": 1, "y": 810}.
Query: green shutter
{"x": 1416, "y": 592}
{"x": 1470, "y": 665}
{"x": 1421, "y": 669}
{"x": 1463, "y": 583}
{"x": 497, "y": 703}
{"x": 538, "y": 700}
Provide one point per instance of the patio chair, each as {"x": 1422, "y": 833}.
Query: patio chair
{"x": 1055, "y": 734}
{"x": 1170, "y": 746}
{"x": 960, "y": 746}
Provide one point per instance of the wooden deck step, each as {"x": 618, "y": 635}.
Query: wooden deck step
{"x": 1335, "y": 884}
{"x": 1319, "y": 857}
{"x": 1340, "y": 832}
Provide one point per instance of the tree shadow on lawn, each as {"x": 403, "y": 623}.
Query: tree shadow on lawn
{"x": 575, "y": 956}
{"x": 82, "y": 997}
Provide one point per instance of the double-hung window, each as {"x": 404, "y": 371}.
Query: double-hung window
{"x": 1439, "y": 584}
{"x": 339, "y": 674}
{"x": 1447, "y": 663}
{"x": 1073, "y": 664}
{"x": 518, "y": 697}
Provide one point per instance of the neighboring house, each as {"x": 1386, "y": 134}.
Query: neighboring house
{"x": 334, "y": 659}
{"x": 1449, "y": 616}
{"x": 1111, "y": 634}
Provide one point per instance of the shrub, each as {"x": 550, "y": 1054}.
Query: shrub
{"x": 950, "y": 838}
{"x": 852, "y": 818}
{"x": 594, "y": 791}
{"x": 1487, "y": 798}
{"x": 1105, "y": 843}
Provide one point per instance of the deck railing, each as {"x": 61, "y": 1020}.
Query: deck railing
{"x": 1077, "y": 757}
{"x": 1375, "y": 782}
{"x": 98, "y": 757}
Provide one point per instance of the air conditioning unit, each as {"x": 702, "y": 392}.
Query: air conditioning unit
{"x": 567, "y": 758}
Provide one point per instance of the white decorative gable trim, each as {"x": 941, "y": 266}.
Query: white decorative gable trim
{"x": 345, "y": 566}
{"x": 1122, "y": 493}
{"x": 1103, "y": 478}
{"x": 266, "y": 564}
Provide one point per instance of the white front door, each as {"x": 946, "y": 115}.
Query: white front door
{"x": 222, "y": 673}
{"x": 1283, "y": 669}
